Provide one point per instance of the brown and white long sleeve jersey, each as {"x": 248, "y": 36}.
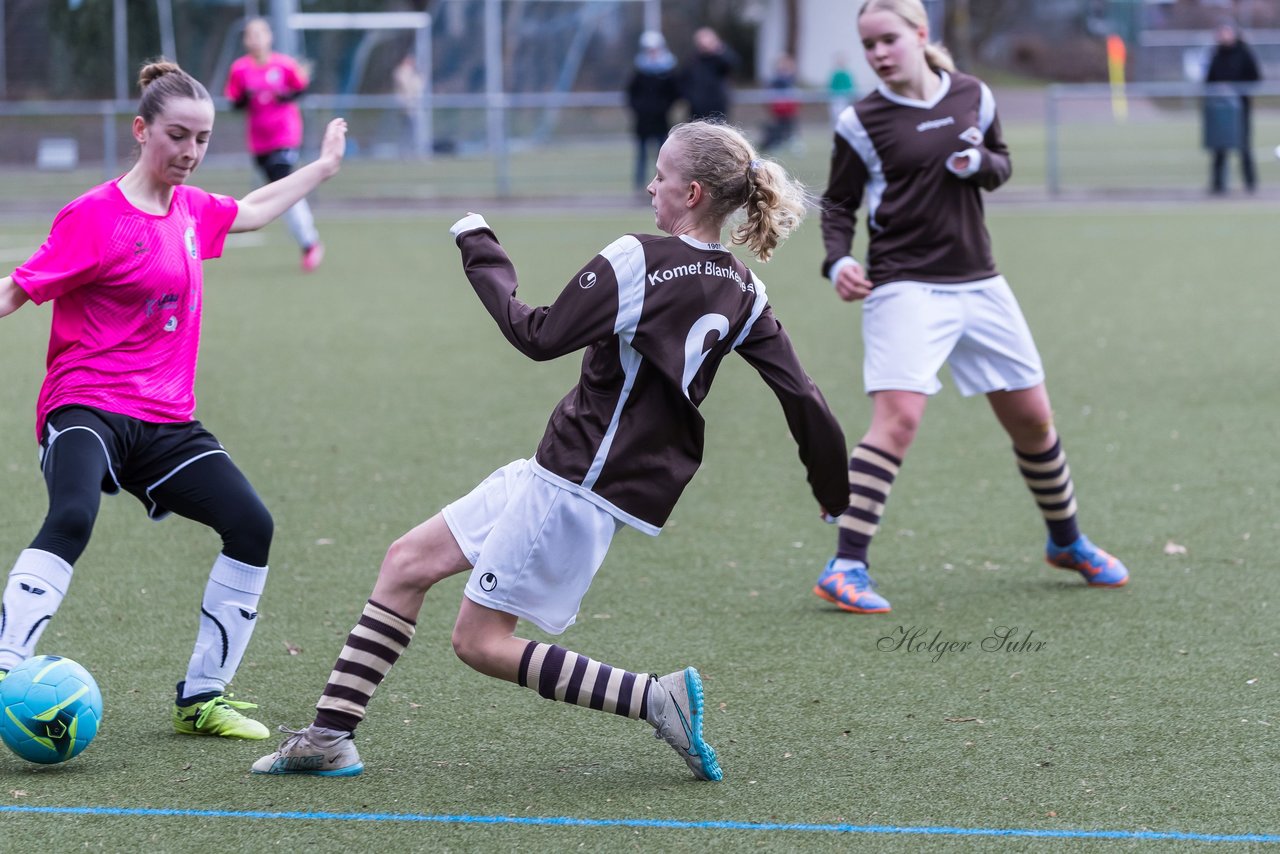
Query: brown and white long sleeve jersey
{"x": 925, "y": 223}
{"x": 657, "y": 315}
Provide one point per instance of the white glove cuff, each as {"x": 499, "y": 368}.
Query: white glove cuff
{"x": 470, "y": 222}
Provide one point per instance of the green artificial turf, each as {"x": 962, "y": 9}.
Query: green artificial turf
{"x": 361, "y": 398}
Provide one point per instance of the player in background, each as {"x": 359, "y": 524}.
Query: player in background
{"x": 122, "y": 266}
{"x": 267, "y": 85}
{"x": 657, "y": 316}
{"x": 920, "y": 149}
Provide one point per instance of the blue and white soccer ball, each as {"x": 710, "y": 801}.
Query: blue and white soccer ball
{"x": 50, "y": 709}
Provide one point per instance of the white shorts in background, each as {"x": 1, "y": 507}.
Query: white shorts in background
{"x": 911, "y": 329}
{"x": 534, "y": 546}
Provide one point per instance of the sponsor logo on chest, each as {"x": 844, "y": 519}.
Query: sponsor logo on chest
{"x": 934, "y": 124}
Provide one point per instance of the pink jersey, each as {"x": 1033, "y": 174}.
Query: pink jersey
{"x": 274, "y": 120}
{"x": 127, "y": 290}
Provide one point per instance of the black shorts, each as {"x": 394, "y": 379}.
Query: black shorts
{"x": 277, "y": 164}
{"x": 140, "y": 455}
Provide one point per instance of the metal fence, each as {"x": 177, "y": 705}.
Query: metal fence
{"x": 1086, "y": 138}
{"x": 1149, "y": 136}
{"x": 68, "y": 134}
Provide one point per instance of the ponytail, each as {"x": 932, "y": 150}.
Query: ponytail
{"x": 734, "y": 176}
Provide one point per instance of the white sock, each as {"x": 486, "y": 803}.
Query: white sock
{"x": 37, "y": 583}
{"x": 302, "y": 225}
{"x": 228, "y": 615}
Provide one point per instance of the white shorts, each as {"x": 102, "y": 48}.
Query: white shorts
{"x": 911, "y": 329}
{"x": 534, "y": 546}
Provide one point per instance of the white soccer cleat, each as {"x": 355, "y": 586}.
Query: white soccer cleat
{"x": 677, "y": 713}
{"x": 314, "y": 751}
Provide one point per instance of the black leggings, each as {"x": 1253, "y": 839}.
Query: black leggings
{"x": 211, "y": 491}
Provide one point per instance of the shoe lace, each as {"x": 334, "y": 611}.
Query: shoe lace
{"x": 861, "y": 581}
{"x": 221, "y": 704}
{"x": 294, "y": 736}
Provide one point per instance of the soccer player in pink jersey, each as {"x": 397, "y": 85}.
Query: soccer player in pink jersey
{"x": 920, "y": 149}
{"x": 658, "y": 315}
{"x": 266, "y": 85}
{"x": 122, "y": 266}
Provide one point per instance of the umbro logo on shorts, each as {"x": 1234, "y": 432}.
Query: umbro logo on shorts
{"x": 488, "y": 582}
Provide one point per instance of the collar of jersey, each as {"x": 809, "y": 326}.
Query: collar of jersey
{"x": 943, "y": 89}
{"x": 698, "y": 244}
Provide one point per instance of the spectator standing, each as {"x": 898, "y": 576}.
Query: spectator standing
{"x": 842, "y": 90}
{"x": 651, "y": 92}
{"x": 705, "y": 79}
{"x": 784, "y": 109}
{"x": 1233, "y": 62}
{"x": 409, "y": 86}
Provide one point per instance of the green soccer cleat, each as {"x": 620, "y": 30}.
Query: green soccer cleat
{"x": 218, "y": 716}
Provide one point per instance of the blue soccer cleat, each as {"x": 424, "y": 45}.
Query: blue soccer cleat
{"x": 850, "y": 589}
{"x": 1097, "y": 567}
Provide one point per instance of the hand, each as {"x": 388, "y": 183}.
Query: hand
{"x": 852, "y": 283}
{"x": 334, "y": 144}
{"x": 962, "y": 164}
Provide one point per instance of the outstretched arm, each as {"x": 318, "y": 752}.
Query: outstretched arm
{"x": 11, "y": 296}
{"x": 818, "y": 436}
{"x": 268, "y": 202}
{"x": 581, "y": 315}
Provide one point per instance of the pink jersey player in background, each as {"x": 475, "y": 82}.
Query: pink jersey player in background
{"x": 266, "y": 85}
{"x": 122, "y": 267}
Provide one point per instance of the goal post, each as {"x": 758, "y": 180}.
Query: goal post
{"x": 418, "y": 22}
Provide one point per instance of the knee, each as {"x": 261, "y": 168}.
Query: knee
{"x": 1032, "y": 435}
{"x": 247, "y": 535}
{"x": 470, "y": 649}
{"x": 899, "y": 430}
{"x": 71, "y": 522}
{"x": 407, "y": 567}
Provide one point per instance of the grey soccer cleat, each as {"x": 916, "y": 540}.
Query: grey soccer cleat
{"x": 676, "y": 713}
{"x": 315, "y": 751}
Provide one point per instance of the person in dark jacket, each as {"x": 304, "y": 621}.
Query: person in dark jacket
{"x": 705, "y": 79}
{"x": 651, "y": 92}
{"x": 1233, "y": 62}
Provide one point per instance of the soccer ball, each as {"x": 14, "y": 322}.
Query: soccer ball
{"x": 50, "y": 709}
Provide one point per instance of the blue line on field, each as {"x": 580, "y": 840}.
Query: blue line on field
{"x": 568, "y": 821}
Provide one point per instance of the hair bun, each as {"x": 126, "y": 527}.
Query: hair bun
{"x": 154, "y": 70}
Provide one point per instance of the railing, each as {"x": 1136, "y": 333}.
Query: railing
{"x": 1135, "y": 137}
{"x": 422, "y": 119}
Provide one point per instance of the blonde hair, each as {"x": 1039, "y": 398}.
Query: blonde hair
{"x": 912, "y": 11}
{"x": 161, "y": 81}
{"x": 734, "y": 177}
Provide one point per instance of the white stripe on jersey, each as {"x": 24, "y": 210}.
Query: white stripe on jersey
{"x": 986, "y": 109}
{"x": 850, "y": 127}
{"x": 756, "y": 310}
{"x": 626, "y": 256}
